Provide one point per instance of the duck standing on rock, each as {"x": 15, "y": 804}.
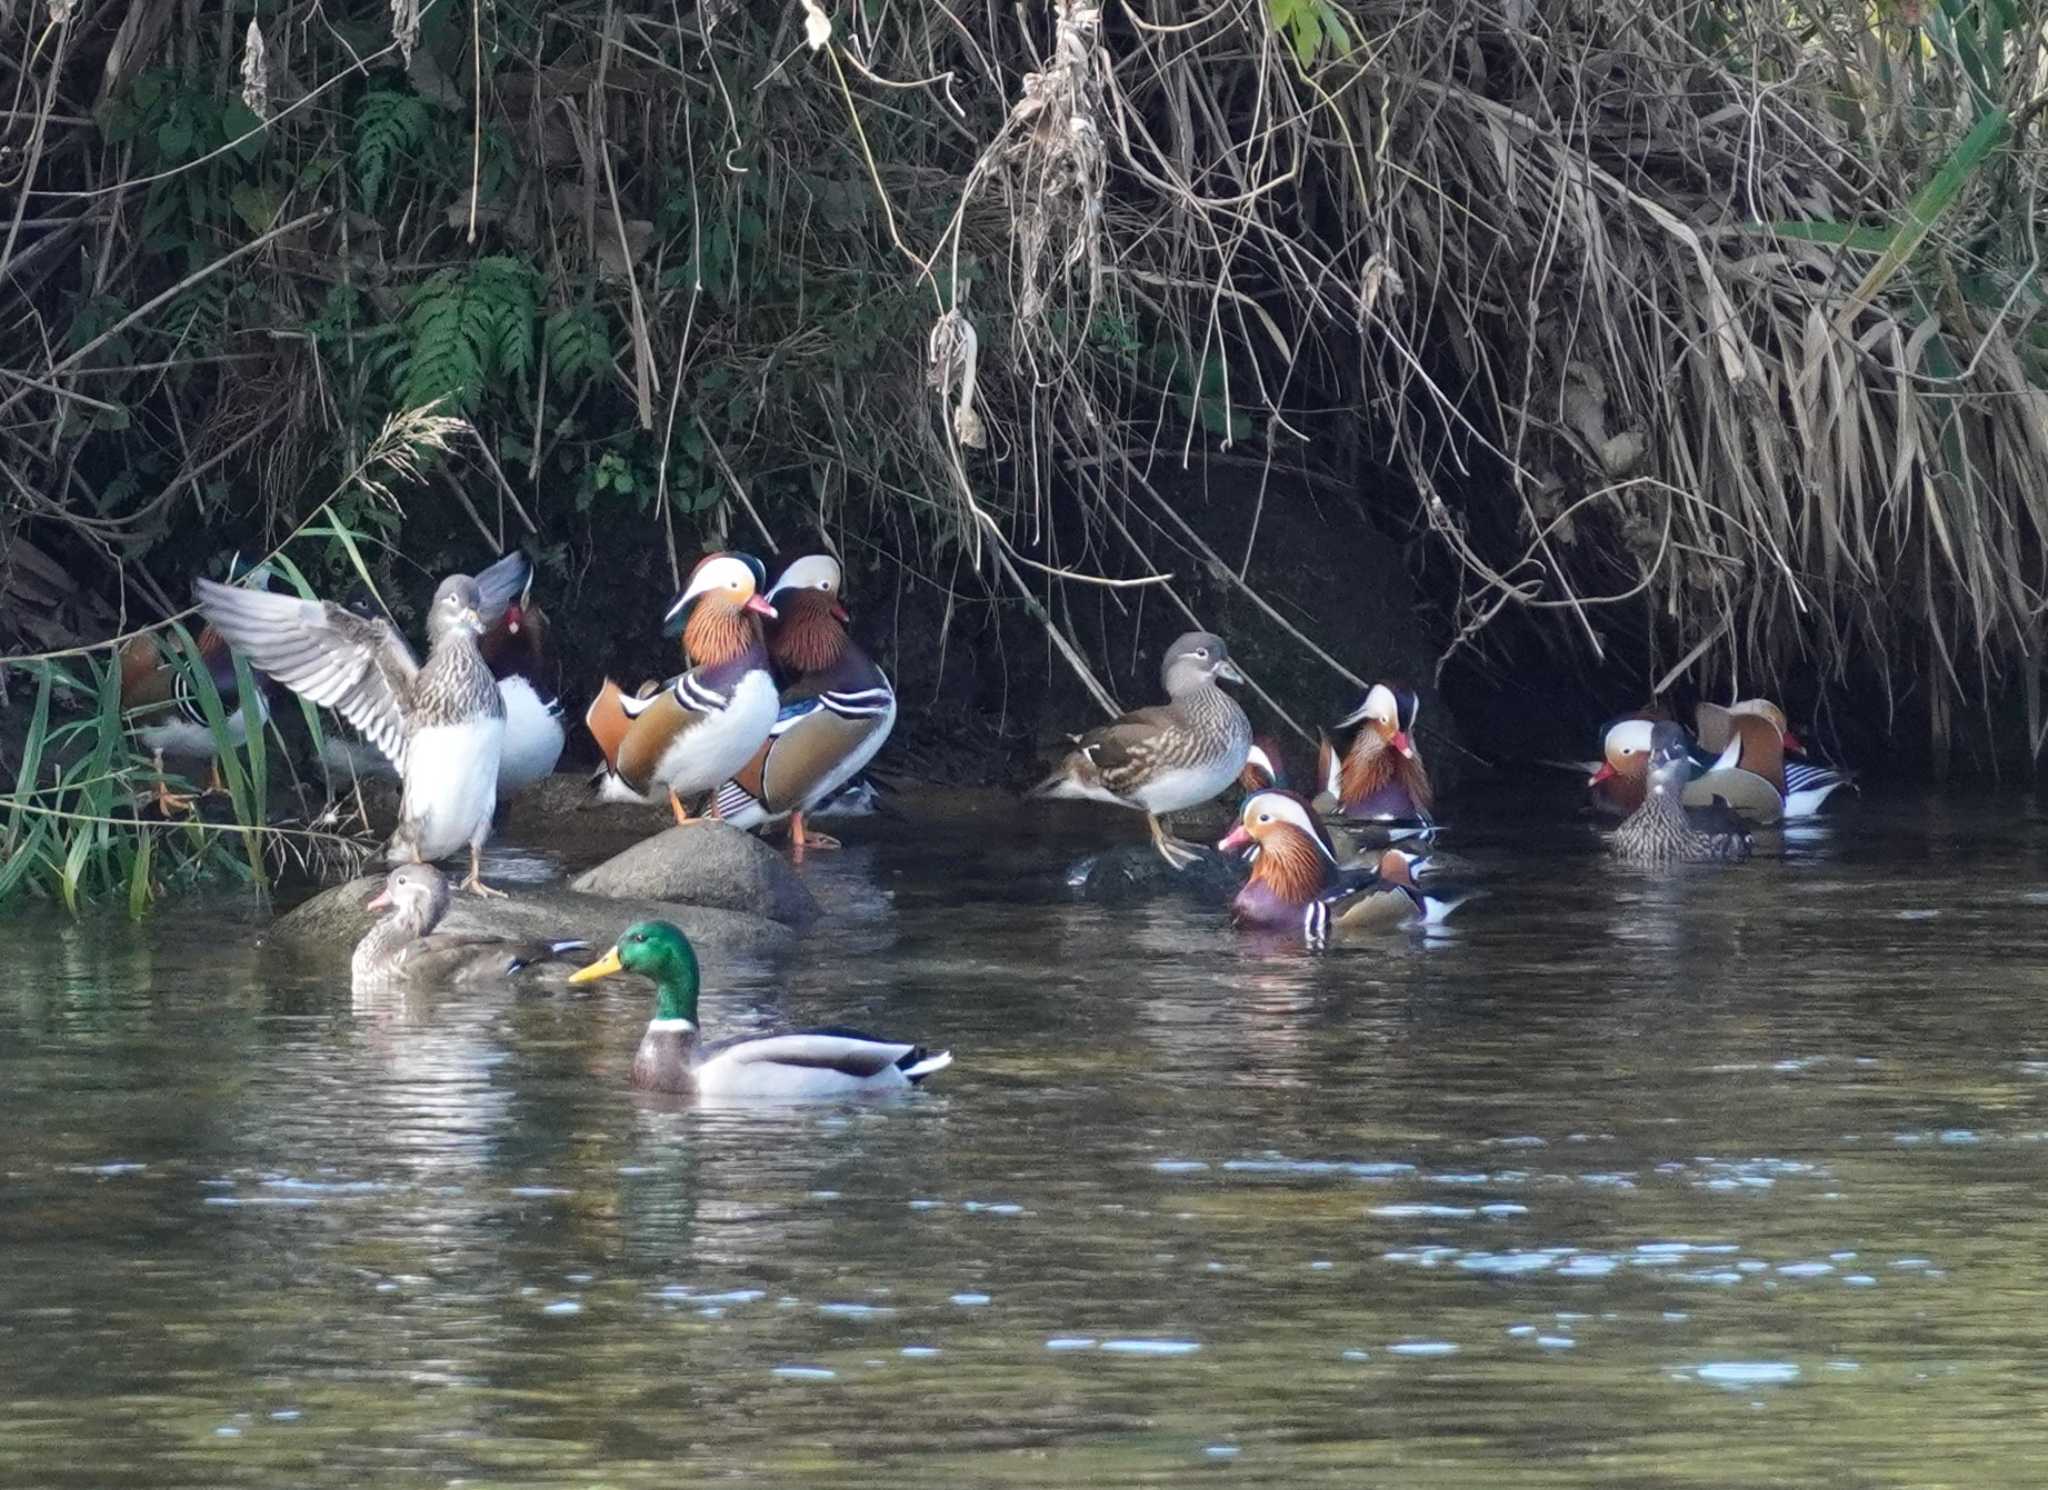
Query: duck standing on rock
{"x": 798, "y": 1065}
{"x": 1664, "y": 830}
{"x": 1379, "y": 781}
{"x": 404, "y": 947}
{"x": 836, "y": 708}
{"x": 442, "y": 725}
{"x": 515, "y": 648}
{"x": 1168, "y": 757}
{"x": 1297, "y": 884}
{"x": 703, "y": 725}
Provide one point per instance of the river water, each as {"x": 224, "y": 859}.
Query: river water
{"x": 1733, "y": 1178}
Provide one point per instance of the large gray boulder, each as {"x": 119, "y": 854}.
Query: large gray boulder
{"x": 705, "y": 863}
{"x": 332, "y": 922}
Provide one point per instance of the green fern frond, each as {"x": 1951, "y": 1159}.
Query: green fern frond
{"x": 578, "y": 348}
{"x": 389, "y": 126}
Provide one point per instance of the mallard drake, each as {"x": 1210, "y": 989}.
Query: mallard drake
{"x": 1762, "y": 741}
{"x": 442, "y": 725}
{"x": 1664, "y": 830}
{"x": 514, "y": 646}
{"x": 1378, "y": 779}
{"x": 403, "y": 947}
{"x": 836, "y": 708}
{"x": 1297, "y": 882}
{"x": 170, "y": 717}
{"x": 796, "y": 1065}
{"x": 1167, "y": 757}
{"x": 703, "y": 725}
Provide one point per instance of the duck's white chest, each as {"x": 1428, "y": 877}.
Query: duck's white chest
{"x": 451, "y": 784}
{"x": 718, "y": 744}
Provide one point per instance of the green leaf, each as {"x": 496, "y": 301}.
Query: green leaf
{"x": 1852, "y": 236}
{"x": 255, "y": 205}
{"x": 1926, "y": 209}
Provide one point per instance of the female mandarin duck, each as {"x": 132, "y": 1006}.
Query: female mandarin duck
{"x": 837, "y": 708}
{"x": 1665, "y": 830}
{"x": 404, "y": 947}
{"x": 1756, "y": 731}
{"x": 1296, "y": 883}
{"x": 1379, "y": 779}
{"x": 793, "y": 1066}
{"x": 515, "y": 648}
{"x": 442, "y": 725}
{"x": 174, "y": 720}
{"x": 1167, "y": 757}
{"x": 705, "y": 724}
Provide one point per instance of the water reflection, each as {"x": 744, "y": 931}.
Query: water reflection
{"x": 1627, "y": 1181}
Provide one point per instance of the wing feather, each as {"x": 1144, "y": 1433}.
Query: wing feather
{"x": 359, "y": 667}
{"x": 846, "y": 1051}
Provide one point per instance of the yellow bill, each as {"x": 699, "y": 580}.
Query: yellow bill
{"x": 604, "y": 967}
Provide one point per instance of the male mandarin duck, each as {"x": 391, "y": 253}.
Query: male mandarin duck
{"x": 798, "y": 1065}
{"x": 1296, "y": 883}
{"x": 704, "y": 725}
{"x": 173, "y": 719}
{"x": 441, "y": 724}
{"x": 1665, "y": 829}
{"x": 1757, "y": 730}
{"x": 836, "y": 708}
{"x": 404, "y": 947}
{"x": 1167, "y": 757}
{"x": 515, "y": 648}
{"x": 1379, "y": 778}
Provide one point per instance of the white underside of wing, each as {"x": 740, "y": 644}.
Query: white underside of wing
{"x": 451, "y": 785}
{"x": 533, "y": 738}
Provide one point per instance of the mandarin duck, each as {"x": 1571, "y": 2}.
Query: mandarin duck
{"x": 836, "y": 709}
{"x": 1297, "y": 883}
{"x": 1167, "y": 757}
{"x": 792, "y": 1066}
{"x": 404, "y": 947}
{"x": 1666, "y": 829}
{"x": 441, "y": 724}
{"x": 1761, "y": 740}
{"x": 1621, "y": 779}
{"x": 1378, "y": 780}
{"x": 515, "y": 648}
{"x": 173, "y": 720}
{"x": 702, "y": 726}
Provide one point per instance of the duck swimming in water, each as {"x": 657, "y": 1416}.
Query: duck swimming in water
{"x": 405, "y": 948}
{"x": 799, "y": 1065}
{"x": 1664, "y": 830}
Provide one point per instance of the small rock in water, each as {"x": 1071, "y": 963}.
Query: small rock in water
{"x": 1737, "y": 1375}
{"x": 1135, "y": 872}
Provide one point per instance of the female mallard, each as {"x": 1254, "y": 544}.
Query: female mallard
{"x": 1664, "y": 830}
{"x": 441, "y": 725}
{"x": 405, "y": 948}
{"x": 1379, "y": 778}
{"x": 1166, "y": 758}
{"x": 703, "y": 725}
{"x": 1296, "y": 882}
{"x": 837, "y": 708}
{"x": 797, "y": 1065}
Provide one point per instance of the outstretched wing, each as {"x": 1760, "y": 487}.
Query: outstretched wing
{"x": 357, "y": 666}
